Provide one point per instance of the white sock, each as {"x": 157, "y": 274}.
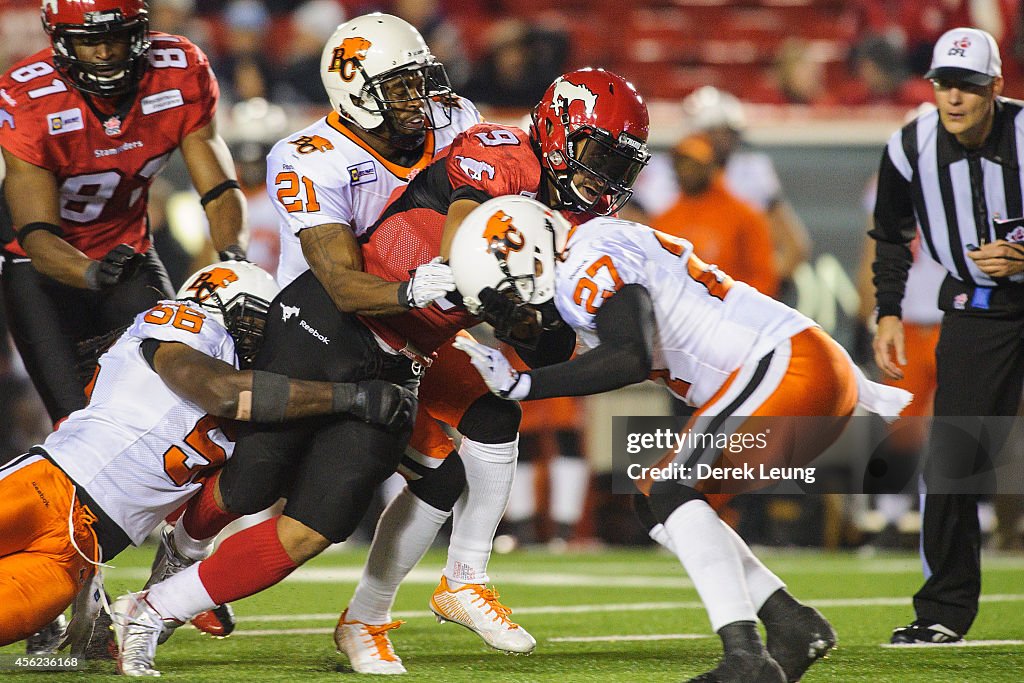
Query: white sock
{"x": 522, "y": 499}
{"x": 404, "y": 533}
{"x": 569, "y": 479}
{"x": 490, "y": 470}
{"x": 660, "y": 535}
{"x": 192, "y": 548}
{"x": 391, "y": 487}
{"x": 761, "y": 581}
{"x": 710, "y": 557}
{"x": 182, "y": 596}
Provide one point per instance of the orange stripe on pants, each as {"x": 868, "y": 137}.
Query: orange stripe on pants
{"x": 40, "y": 571}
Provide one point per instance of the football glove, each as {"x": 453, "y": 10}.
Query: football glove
{"x": 232, "y": 252}
{"x": 501, "y": 378}
{"x": 512, "y": 321}
{"x": 430, "y": 281}
{"x": 377, "y": 402}
{"x": 119, "y": 264}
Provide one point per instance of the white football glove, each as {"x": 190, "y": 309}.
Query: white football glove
{"x": 502, "y": 379}
{"x": 430, "y": 281}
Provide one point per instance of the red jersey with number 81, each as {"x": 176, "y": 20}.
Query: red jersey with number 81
{"x": 484, "y": 161}
{"x": 104, "y": 165}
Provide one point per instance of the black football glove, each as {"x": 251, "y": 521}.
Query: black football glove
{"x": 118, "y": 265}
{"x": 377, "y": 402}
{"x": 512, "y": 321}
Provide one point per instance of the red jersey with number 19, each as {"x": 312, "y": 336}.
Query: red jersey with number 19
{"x": 484, "y": 161}
{"x": 105, "y": 161}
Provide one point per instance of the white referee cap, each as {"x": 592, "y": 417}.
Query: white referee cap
{"x": 966, "y": 55}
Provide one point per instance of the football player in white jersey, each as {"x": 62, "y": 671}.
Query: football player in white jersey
{"x": 149, "y": 440}
{"x": 649, "y": 308}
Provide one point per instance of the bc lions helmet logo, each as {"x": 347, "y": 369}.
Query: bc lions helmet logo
{"x": 566, "y": 93}
{"x": 347, "y": 57}
{"x": 501, "y": 235}
{"x": 209, "y": 282}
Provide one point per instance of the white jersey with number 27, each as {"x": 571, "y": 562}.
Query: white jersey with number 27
{"x": 137, "y": 448}
{"x": 708, "y": 324}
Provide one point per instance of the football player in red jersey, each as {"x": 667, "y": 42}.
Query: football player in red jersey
{"x": 84, "y": 127}
{"x": 585, "y": 148}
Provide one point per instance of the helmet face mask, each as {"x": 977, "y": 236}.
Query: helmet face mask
{"x": 121, "y": 24}
{"x": 377, "y": 70}
{"x": 237, "y": 295}
{"x": 590, "y": 131}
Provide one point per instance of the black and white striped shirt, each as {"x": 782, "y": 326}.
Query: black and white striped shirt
{"x": 955, "y": 196}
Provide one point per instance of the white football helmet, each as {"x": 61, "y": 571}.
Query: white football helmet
{"x": 708, "y": 107}
{"x": 368, "y": 51}
{"x": 507, "y": 243}
{"x": 237, "y": 294}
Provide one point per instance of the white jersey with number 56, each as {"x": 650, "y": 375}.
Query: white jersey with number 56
{"x": 138, "y": 447}
{"x": 325, "y": 174}
{"x": 708, "y": 324}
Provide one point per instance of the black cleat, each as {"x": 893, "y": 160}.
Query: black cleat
{"x": 44, "y": 641}
{"x": 800, "y": 641}
{"x": 741, "y": 666}
{"x": 924, "y": 632}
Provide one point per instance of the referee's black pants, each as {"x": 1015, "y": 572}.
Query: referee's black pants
{"x": 980, "y": 372}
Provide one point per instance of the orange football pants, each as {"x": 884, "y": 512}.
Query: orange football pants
{"x": 40, "y": 570}
{"x": 818, "y": 381}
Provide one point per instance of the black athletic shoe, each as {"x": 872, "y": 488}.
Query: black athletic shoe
{"x": 741, "y": 666}
{"x": 800, "y": 641}
{"x": 101, "y": 644}
{"x": 44, "y": 642}
{"x": 924, "y": 632}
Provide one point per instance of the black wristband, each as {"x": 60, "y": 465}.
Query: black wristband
{"x": 344, "y": 395}
{"x": 403, "y": 294}
{"x": 30, "y": 228}
{"x": 218, "y": 191}
{"x": 232, "y": 252}
{"x": 269, "y": 396}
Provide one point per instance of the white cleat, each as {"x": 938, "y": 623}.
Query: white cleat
{"x": 477, "y": 608}
{"x": 138, "y": 627}
{"x": 368, "y": 646}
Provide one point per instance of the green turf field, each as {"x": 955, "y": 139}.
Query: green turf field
{"x": 607, "y": 617}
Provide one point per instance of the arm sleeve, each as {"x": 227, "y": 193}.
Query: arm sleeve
{"x": 625, "y": 326}
{"x": 553, "y": 346}
{"x": 895, "y": 225}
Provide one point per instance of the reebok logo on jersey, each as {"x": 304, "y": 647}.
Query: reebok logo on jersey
{"x": 475, "y": 168}
{"x": 362, "y": 173}
{"x": 65, "y": 121}
{"x": 566, "y": 93}
{"x": 313, "y": 331}
{"x": 288, "y": 312}
{"x": 168, "y": 99}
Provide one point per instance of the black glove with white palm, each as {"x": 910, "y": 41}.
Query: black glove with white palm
{"x": 430, "y": 281}
{"x": 501, "y": 378}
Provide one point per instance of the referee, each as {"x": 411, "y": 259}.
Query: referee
{"x": 956, "y": 173}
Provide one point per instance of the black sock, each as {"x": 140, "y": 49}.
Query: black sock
{"x": 779, "y": 607}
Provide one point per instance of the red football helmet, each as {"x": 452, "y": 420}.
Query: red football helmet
{"x": 590, "y": 132}
{"x": 93, "y": 21}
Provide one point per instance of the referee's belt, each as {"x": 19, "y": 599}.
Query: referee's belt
{"x": 957, "y": 295}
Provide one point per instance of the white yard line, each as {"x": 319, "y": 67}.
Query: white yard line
{"x": 584, "y": 609}
{"x": 616, "y": 639}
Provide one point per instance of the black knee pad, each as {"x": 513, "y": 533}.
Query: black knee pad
{"x": 667, "y": 496}
{"x": 441, "y": 486}
{"x": 490, "y": 419}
